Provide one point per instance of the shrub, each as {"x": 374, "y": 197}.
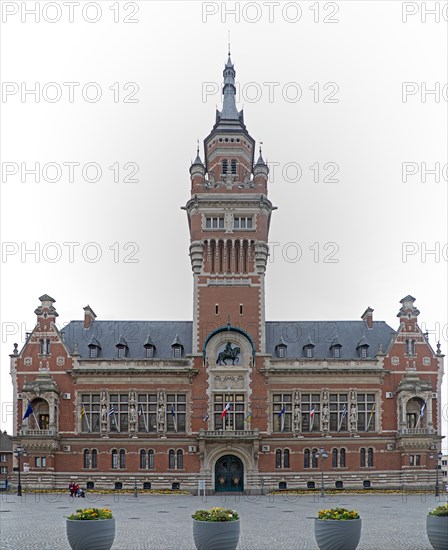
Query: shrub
{"x": 440, "y": 510}
{"x": 91, "y": 513}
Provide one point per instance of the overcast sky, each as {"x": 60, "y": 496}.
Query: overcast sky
{"x": 339, "y": 94}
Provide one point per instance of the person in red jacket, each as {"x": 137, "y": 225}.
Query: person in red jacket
{"x": 75, "y": 489}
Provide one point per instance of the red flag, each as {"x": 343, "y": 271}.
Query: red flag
{"x": 224, "y": 412}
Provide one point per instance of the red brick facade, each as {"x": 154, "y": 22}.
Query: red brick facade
{"x": 114, "y": 403}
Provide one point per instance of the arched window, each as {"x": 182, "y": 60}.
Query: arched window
{"x": 122, "y": 458}
{"x": 306, "y": 458}
{"x": 362, "y": 457}
{"x": 143, "y": 458}
{"x": 114, "y": 458}
{"x": 47, "y": 347}
{"x": 286, "y": 458}
{"x": 86, "y": 458}
{"x": 370, "y": 457}
{"x": 151, "y": 459}
{"x": 342, "y": 458}
{"x": 315, "y": 461}
{"x": 410, "y": 347}
{"x": 334, "y": 458}
{"x": 94, "y": 458}
{"x": 180, "y": 459}
{"x": 278, "y": 458}
{"x": 225, "y": 166}
{"x": 171, "y": 460}
{"x": 233, "y": 166}
{"x": 41, "y": 347}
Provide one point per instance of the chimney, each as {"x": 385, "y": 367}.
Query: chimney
{"x": 367, "y": 317}
{"x": 89, "y": 316}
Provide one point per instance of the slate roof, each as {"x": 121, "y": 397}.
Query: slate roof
{"x": 295, "y": 334}
{"x": 5, "y": 442}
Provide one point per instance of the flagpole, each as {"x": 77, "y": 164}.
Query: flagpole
{"x": 144, "y": 420}
{"x": 372, "y": 412}
{"x": 115, "y": 420}
{"x": 87, "y": 421}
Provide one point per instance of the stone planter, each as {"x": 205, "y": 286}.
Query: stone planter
{"x": 437, "y": 531}
{"x": 95, "y": 534}
{"x": 216, "y": 535}
{"x": 337, "y": 534}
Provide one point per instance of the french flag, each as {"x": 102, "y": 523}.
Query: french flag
{"x": 312, "y": 411}
{"x": 224, "y": 412}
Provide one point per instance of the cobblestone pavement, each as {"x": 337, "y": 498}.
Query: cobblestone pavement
{"x": 163, "y": 522}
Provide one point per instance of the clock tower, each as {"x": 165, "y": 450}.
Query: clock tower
{"x": 229, "y": 216}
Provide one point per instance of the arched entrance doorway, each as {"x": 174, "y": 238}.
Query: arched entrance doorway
{"x": 229, "y": 474}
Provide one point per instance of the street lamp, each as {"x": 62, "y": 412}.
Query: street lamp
{"x": 323, "y": 455}
{"x": 18, "y": 453}
{"x": 439, "y": 458}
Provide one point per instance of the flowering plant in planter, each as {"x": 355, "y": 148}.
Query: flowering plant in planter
{"x": 341, "y": 514}
{"x": 91, "y": 513}
{"x": 216, "y": 514}
{"x": 440, "y": 511}
{"x": 337, "y": 529}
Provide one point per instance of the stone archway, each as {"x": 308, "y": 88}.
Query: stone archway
{"x": 229, "y": 474}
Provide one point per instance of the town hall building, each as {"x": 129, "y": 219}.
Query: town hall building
{"x": 243, "y": 403}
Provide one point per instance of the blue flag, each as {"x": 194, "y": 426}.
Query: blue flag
{"x": 29, "y": 410}
{"x": 282, "y": 412}
{"x": 173, "y": 412}
{"x": 111, "y": 410}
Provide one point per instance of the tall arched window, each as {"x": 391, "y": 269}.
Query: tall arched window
{"x": 362, "y": 457}
{"x": 47, "y": 347}
{"x": 143, "y": 458}
{"x": 114, "y": 458}
{"x": 233, "y": 166}
{"x": 334, "y": 458}
{"x": 370, "y": 457}
{"x": 315, "y": 461}
{"x": 122, "y": 458}
{"x": 180, "y": 459}
{"x": 151, "y": 459}
{"x": 306, "y": 458}
{"x": 94, "y": 458}
{"x": 225, "y": 166}
{"x": 86, "y": 458}
{"x": 278, "y": 458}
{"x": 220, "y": 256}
{"x": 286, "y": 458}
{"x": 41, "y": 347}
{"x": 342, "y": 458}
{"x": 171, "y": 460}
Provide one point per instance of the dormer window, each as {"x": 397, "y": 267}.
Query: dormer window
{"x": 336, "y": 353}
{"x": 178, "y": 348}
{"x": 280, "y": 349}
{"x": 335, "y": 348}
{"x": 308, "y": 348}
{"x": 122, "y": 347}
{"x": 94, "y": 348}
{"x": 362, "y": 348}
{"x": 150, "y": 348}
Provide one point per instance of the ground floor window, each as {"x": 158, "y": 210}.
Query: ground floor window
{"x": 40, "y": 461}
{"x": 175, "y": 459}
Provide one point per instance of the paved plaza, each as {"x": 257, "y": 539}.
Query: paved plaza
{"x": 163, "y": 522}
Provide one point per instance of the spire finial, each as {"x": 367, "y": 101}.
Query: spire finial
{"x": 261, "y": 143}
{"x": 228, "y": 41}
{"x": 197, "y": 147}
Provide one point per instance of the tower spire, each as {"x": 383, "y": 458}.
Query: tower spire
{"x": 229, "y": 110}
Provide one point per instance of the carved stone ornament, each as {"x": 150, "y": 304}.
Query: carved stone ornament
{"x": 60, "y": 361}
{"x": 426, "y": 361}
{"x": 395, "y": 360}
{"x": 28, "y": 361}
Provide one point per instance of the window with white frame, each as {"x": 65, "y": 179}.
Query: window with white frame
{"x": 366, "y": 412}
{"x": 147, "y": 412}
{"x": 3, "y": 458}
{"x": 119, "y": 407}
{"x": 176, "y": 410}
{"x": 214, "y": 222}
{"x": 90, "y": 412}
{"x": 40, "y": 461}
{"x": 234, "y": 406}
{"x": 338, "y": 412}
{"x": 242, "y": 222}
{"x": 310, "y": 412}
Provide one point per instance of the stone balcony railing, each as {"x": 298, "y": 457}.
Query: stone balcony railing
{"x": 416, "y": 431}
{"x": 228, "y": 434}
{"x": 38, "y": 433}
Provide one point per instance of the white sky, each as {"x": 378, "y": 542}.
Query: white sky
{"x": 173, "y": 53}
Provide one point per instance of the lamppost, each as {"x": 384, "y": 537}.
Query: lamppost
{"x": 323, "y": 454}
{"x": 439, "y": 458}
{"x": 18, "y": 453}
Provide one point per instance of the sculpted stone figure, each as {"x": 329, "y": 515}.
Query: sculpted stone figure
{"x": 297, "y": 419}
